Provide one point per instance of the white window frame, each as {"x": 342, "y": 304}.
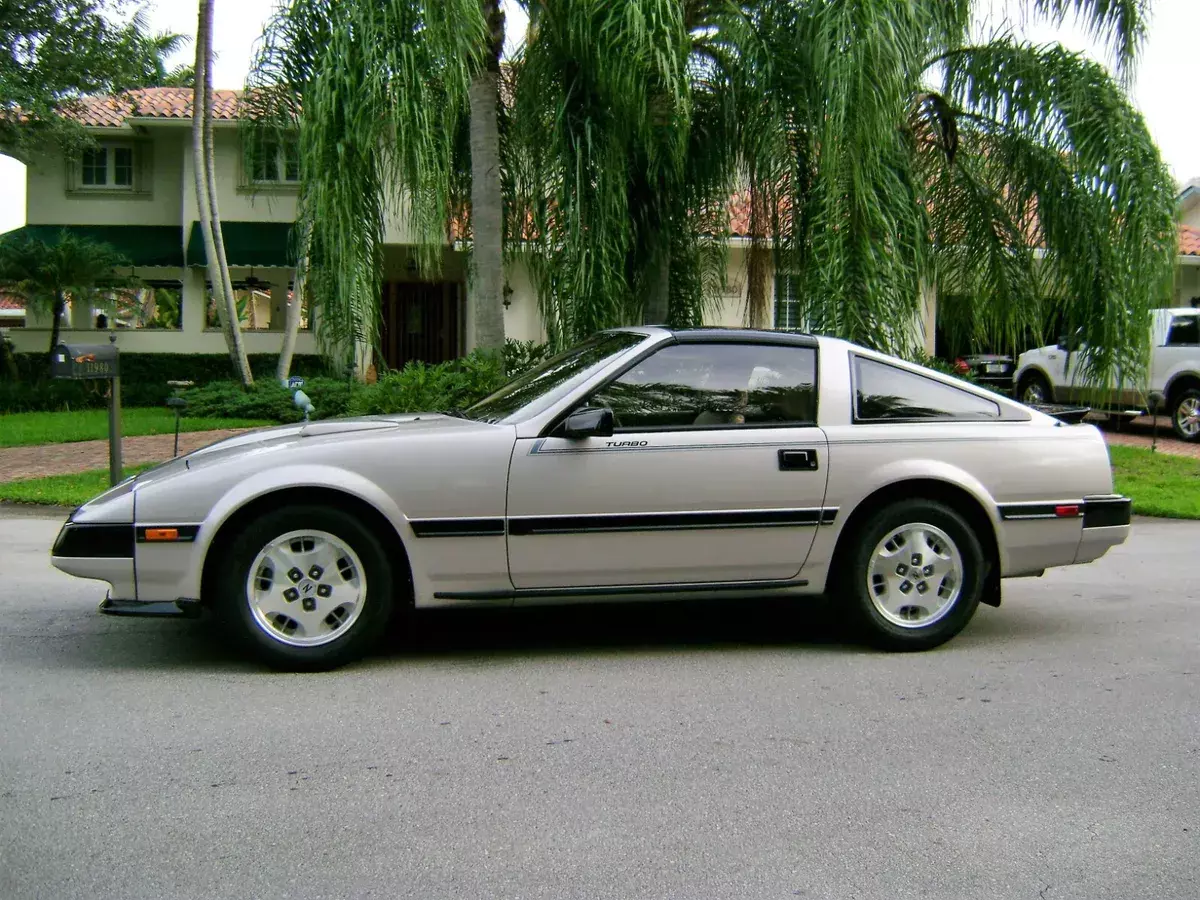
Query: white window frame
{"x": 110, "y": 149}
{"x": 280, "y": 167}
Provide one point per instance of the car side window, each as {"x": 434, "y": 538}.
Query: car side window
{"x": 1185, "y": 331}
{"x": 883, "y": 392}
{"x": 715, "y": 386}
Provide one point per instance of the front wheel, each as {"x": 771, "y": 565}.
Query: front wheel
{"x": 915, "y": 575}
{"x": 307, "y": 588}
{"x": 1185, "y": 417}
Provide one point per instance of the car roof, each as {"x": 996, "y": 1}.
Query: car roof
{"x": 725, "y": 334}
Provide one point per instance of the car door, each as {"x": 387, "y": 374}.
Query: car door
{"x": 715, "y": 473}
{"x": 1180, "y": 351}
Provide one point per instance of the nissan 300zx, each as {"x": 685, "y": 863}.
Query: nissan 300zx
{"x": 643, "y": 463}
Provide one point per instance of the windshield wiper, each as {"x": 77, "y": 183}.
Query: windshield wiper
{"x": 457, "y": 412}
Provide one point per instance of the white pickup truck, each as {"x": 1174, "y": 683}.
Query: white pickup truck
{"x": 1051, "y": 374}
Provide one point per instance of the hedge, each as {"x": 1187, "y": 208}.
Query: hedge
{"x": 144, "y": 378}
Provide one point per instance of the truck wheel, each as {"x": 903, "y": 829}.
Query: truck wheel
{"x": 1185, "y": 416}
{"x": 1034, "y": 389}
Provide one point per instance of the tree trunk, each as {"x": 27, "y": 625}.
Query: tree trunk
{"x": 658, "y": 291}
{"x": 758, "y": 309}
{"x": 60, "y": 306}
{"x": 487, "y": 205}
{"x": 292, "y": 327}
{"x": 206, "y": 195}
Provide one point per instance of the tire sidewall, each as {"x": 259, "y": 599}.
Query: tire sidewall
{"x": 360, "y": 636}
{"x": 1032, "y": 378}
{"x": 887, "y": 634}
{"x": 1179, "y": 433}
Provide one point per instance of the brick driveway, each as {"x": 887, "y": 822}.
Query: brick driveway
{"x": 64, "y": 459}
{"x": 1140, "y": 433}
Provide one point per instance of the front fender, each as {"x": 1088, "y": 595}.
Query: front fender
{"x": 289, "y": 477}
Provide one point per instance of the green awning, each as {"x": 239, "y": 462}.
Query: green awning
{"x": 247, "y": 244}
{"x": 142, "y": 245}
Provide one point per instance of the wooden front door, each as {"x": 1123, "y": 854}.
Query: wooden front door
{"x": 420, "y": 322}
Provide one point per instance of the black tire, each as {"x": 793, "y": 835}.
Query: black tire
{"x": 871, "y": 623}
{"x": 1187, "y": 401}
{"x": 1031, "y": 382}
{"x": 233, "y": 605}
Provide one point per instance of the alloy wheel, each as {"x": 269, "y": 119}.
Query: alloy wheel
{"x": 915, "y": 575}
{"x": 306, "y": 588}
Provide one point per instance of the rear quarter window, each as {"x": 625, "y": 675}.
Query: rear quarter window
{"x": 885, "y": 393}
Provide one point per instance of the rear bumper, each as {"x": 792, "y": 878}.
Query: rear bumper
{"x": 1105, "y": 525}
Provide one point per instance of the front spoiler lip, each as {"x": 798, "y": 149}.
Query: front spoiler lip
{"x": 183, "y": 608}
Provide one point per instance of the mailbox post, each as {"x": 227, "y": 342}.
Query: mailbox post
{"x": 96, "y": 362}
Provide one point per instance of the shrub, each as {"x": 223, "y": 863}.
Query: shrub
{"x": 144, "y": 378}
{"x": 421, "y": 387}
{"x": 268, "y": 400}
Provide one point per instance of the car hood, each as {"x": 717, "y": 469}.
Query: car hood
{"x": 344, "y": 430}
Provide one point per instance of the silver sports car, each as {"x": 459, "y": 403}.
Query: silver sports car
{"x": 642, "y": 463}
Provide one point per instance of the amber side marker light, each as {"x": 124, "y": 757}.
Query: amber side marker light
{"x": 162, "y": 534}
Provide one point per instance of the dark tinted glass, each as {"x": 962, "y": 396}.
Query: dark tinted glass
{"x": 715, "y": 385}
{"x": 886, "y": 392}
{"x": 1185, "y": 331}
{"x": 540, "y": 386}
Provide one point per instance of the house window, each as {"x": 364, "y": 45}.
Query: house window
{"x": 274, "y": 162}
{"x": 255, "y": 307}
{"x": 151, "y": 304}
{"x": 108, "y": 166}
{"x": 788, "y": 308}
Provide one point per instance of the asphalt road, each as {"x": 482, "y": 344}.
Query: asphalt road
{"x": 1052, "y": 750}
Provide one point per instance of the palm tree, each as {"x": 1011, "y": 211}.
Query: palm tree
{"x": 911, "y": 145}
{"x": 45, "y": 275}
{"x": 487, "y": 198}
{"x": 881, "y": 147}
{"x": 376, "y": 93}
{"x": 206, "y": 196}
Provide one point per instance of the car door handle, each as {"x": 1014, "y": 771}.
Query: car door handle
{"x": 803, "y": 460}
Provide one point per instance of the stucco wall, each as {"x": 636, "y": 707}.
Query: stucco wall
{"x": 1187, "y": 284}
{"x": 47, "y": 201}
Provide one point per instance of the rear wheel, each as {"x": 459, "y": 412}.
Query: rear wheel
{"x": 1185, "y": 415}
{"x": 306, "y": 588}
{"x": 1034, "y": 389}
{"x": 915, "y": 575}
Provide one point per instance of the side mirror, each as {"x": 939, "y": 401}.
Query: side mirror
{"x": 589, "y": 422}
{"x": 1062, "y": 342}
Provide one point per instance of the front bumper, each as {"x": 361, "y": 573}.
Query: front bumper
{"x": 182, "y": 608}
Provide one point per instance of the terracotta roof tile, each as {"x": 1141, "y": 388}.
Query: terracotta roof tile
{"x": 154, "y": 103}
{"x": 1189, "y": 241}
{"x": 10, "y": 302}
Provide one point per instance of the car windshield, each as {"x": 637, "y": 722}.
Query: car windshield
{"x": 536, "y": 389}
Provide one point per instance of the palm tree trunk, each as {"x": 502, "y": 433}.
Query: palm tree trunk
{"x": 758, "y": 310}
{"x": 292, "y": 327}
{"x": 60, "y": 306}
{"x": 658, "y": 294}
{"x": 487, "y": 210}
{"x": 206, "y": 195}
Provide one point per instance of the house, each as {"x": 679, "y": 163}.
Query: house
{"x": 1187, "y": 273}
{"x": 136, "y": 191}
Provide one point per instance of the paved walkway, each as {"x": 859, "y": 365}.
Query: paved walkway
{"x": 64, "y": 459}
{"x": 1140, "y": 433}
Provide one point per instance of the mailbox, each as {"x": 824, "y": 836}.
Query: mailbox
{"x": 80, "y": 362}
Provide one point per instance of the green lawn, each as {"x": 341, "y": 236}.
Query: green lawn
{"x": 61, "y": 490}
{"x": 1160, "y": 485}
{"x": 27, "y": 429}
